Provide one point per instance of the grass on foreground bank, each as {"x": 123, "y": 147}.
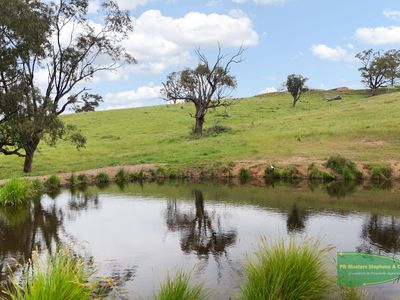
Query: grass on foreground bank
{"x": 359, "y": 127}
{"x": 293, "y": 271}
{"x": 18, "y": 191}
{"x": 282, "y": 271}
{"x": 63, "y": 276}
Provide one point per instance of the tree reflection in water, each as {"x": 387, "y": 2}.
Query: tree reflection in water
{"x": 201, "y": 231}
{"x": 35, "y": 227}
{"x": 380, "y": 233}
{"x": 296, "y": 219}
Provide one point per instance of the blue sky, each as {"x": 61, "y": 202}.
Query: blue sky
{"x": 316, "y": 38}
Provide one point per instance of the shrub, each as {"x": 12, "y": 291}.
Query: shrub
{"x": 291, "y": 173}
{"x": 344, "y": 167}
{"x": 36, "y": 187}
{"x": 121, "y": 176}
{"x": 179, "y": 288}
{"x": 53, "y": 183}
{"x": 72, "y": 180}
{"x": 314, "y": 172}
{"x": 172, "y": 173}
{"x": 161, "y": 173}
{"x": 137, "y": 176}
{"x": 244, "y": 174}
{"x": 217, "y": 129}
{"x": 62, "y": 276}
{"x": 152, "y": 173}
{"x": 14, "y": 192}
{"x": 326, "y": 176}
{"x": 380, "y": 172}
{"x": 182, "y": 174}
{"x": 272, "y": 172}
{"x": 82, "y": 179}
{"x": 102, "y": 179}
{"x": 287, "y": 271}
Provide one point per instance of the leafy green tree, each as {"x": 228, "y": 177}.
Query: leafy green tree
{"x": 295, "y": 85}
{"x": 393, "y": 73}
{"x": 59, "y": 39}
{"x": 379, "y": 69}
{"x": 207, "y": 86}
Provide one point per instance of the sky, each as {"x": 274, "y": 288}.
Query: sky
{"x": 315, "y": 38}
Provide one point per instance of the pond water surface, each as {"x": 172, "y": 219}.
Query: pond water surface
{"x": 139, "y": 233}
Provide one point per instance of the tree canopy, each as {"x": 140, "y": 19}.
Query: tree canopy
{"x": 56, "y": 39}
{"x": 207, "y": 86}
{"x": 295, "y": 85}
{"x": 379, "y": 69}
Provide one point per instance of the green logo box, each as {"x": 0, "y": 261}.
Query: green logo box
{"x": 362, "y": 269}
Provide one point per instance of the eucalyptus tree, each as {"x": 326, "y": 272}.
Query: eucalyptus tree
{"x": 207, "y": 86}
{"x": 58, "y": 43}
{"x": 295, "y": 85}
{"x": 379, "y": 69}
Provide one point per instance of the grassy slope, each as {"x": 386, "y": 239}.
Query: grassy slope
{"x": 265, "y": 127}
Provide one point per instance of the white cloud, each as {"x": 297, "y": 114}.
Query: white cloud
{"x": 379, "y": 35}
{"x": 392, "y": 14}
{"x": 94, "y": 5}
{"x": 335, "y": 54}
{"x": 261, "y": 2}
{"x": 159, "y": 42}
{"x": 132, "y": 98}
{"x": 268, "y": 90}
{"x": 268, "y": 2}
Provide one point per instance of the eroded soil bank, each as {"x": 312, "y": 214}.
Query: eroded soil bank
{"x": 220, "y": 171}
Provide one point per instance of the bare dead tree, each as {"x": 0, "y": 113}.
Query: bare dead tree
{"x": 208, "y": 86}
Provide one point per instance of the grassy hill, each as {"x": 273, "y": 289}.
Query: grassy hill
{"x": 359, "y": 127}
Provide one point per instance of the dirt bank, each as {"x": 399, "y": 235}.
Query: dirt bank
{"x": 215, "y": 170}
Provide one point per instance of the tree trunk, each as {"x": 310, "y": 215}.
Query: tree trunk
{"x": 29, "y": 153}
{"x": 28, "y": 161}
{"x": 198, "y": 128}
{"x": 294, "y": 102}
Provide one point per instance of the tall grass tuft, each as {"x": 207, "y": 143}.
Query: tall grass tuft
{"x": 102, "y": 179}
{"x": 121, "y": 177}
{"x": 53, "y": 183}
{"x": 244, "y": 175}
{"x": 355, "y": 294}
{"x": 271, "y": 172}
{"x": 73, "y": 180}
{"x": 314, "y": 172}
{"x": 287, "y": 271}
{"x": 63, "y": 275}
{"x": 344, "y": 167}
{"x": 380, "y": 172}
{"x": 180, "y": 288}
{"x": 36, "y": 187}
{"x": 82, "y": 180}
{"x": 14, "y": 192}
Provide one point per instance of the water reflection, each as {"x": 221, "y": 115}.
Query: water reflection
{"x": 341, "y": 189}
{"x": 201, "y": 230}
{"x": 296, "y": 219}
{"x": 25, "y": 230}
{"x": 209, "y": 226}
{"x": 83, "y": 200}
{"x": 380, "y": 233}
{"x": 36, "y": 227}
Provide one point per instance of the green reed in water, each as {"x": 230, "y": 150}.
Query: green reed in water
{"x": 63, "y": 276}
{"x": 15, "y": 192}
{"x": 179, "y": 287}
{"x": 287, "y": 271}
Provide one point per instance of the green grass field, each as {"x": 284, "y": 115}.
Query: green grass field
{"x": 359, "y": 127}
